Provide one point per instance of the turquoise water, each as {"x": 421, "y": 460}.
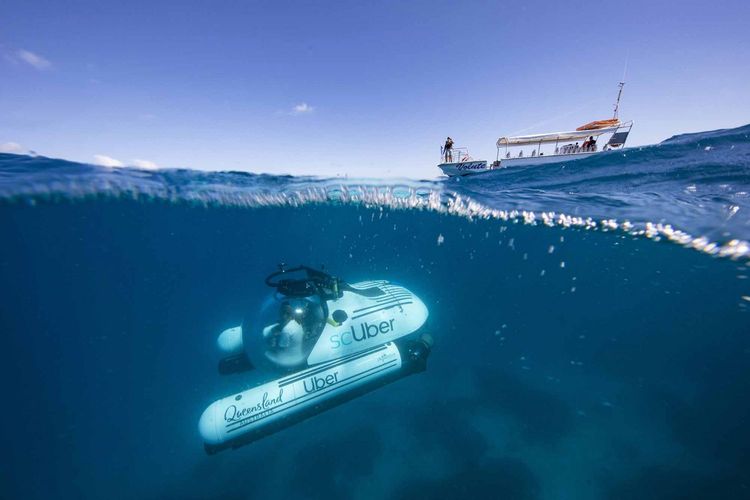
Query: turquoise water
{"x": 590, "y": 323}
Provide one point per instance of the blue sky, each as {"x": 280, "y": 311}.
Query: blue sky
{"x": 355, "y": 88}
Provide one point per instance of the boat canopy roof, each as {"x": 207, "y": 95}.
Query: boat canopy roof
{"x": 520, "y": 140}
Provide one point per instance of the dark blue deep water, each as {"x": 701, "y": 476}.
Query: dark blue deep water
{"x": 591, "y": 325}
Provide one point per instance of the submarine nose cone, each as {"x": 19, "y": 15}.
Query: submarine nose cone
{"x": 208, "y": 425}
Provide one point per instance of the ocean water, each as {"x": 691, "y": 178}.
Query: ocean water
{"x": 591, "y": 326}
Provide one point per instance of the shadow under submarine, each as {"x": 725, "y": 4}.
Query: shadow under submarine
{"x": 328, "y": 341}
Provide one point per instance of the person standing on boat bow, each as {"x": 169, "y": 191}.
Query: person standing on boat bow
{"x": 448, "y": 150}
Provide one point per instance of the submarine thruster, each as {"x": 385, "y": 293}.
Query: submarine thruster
{"x": 328, "y": 341}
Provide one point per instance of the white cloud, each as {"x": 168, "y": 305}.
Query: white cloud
{"x": 302, "y": 108}
{"x": 144, "y": 164}
{"x": 107, "y": 161}
{"x": 34, "y": 60}
{"x": 10, "y": 147}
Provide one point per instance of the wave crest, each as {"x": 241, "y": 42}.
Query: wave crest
{"x": 671, "y": 191}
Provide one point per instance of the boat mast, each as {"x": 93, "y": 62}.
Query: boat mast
{"x": 621, "y": 85}
{"x": 619, "y": 95}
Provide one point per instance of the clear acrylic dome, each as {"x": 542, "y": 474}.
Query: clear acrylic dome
{"x": 282, "y": 335}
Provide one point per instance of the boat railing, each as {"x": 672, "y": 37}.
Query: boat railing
{"x": 455, "y": 155}
{"x": 567, "y": 149}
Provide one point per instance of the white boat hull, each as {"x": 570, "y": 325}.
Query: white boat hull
{"x": 544, "y": 159}
{"x": 460, "y": 170}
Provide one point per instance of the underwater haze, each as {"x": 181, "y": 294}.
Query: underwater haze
{"x": 591, "y": 327}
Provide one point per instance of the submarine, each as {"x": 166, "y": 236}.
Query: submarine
{"x": 322, "y": 342}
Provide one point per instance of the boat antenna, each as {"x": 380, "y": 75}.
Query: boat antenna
{"x": 621, "y": 85}
{"x": 617, "y": 102}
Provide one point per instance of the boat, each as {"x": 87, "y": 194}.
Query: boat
{"x": 542, "y": 149}
{"x": 322, "y": 342}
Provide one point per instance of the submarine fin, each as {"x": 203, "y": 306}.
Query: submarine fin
{"x": 235, "y": 364}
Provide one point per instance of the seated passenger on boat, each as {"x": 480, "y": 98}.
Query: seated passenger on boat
{"x": 590, "y": 144}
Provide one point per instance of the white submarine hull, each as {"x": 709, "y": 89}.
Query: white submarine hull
{"x": 330, "y": 344}
{"x": 247, "y": 416}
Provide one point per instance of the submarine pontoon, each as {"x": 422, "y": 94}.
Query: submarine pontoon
{"x": 325, "y": 341}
